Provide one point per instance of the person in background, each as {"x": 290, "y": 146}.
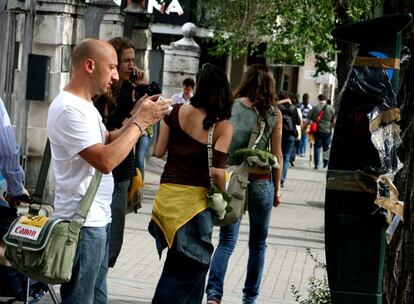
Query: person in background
{"x": 291, "y": 120}
{"x": 9, "y": 158}
{"x": 80, "y": 145}
{"x": 325, "y": 126}
{"x": 255, "y": 99}
{"x": 116, "y": 107}
{"x": 305, "y": 107}
{"x": 180, "y": 218}
{"x": 298, "y": 129}
{"x": 186, "y": 94}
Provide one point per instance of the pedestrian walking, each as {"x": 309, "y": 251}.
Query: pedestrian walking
{"x": 12, "y": 173}
{"x": 305, "y": 107}
{"x": 116, "y": 107}
{"x": 295, "y": 151}
{"x": 9, "y": 157}
{"x": 180, "y": 218}
{"x": 326, "y": 114}
{"x": 256, "y": 100}
{"x": 80, "y": 145}
{"x": 291, "y": 120}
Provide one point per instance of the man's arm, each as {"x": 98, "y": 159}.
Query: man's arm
{"x": 106, "y": 157}
{"x": 9, "y": 156}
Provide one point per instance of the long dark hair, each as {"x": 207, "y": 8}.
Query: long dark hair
{"x": 258, "y": 85}
{"x": 108, "y": 101}
{"x": 213, "y": 94}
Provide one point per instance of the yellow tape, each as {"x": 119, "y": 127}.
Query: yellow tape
{"x": 35, "y": 221}
{"x": 385, "y": 117}
{"x": 385, "y": 63}
{"x": 357, "y": 181}
{"x": 391, "y": 204}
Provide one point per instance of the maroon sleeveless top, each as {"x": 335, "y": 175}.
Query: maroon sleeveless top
{"x": 187, "y": 161}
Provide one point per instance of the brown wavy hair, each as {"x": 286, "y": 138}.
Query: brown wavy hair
{"x": 258, "y": 84}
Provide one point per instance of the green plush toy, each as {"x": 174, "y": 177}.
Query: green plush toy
{"x": 219, "y": 201}
{"x": 258, "y": 157}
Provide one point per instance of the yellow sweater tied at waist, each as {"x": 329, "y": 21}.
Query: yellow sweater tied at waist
{"x": 175, "y": 205}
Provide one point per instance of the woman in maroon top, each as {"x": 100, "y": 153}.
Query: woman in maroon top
{"x": 180, "y": 218}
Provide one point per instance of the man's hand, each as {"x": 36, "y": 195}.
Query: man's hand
{"x": 151, "y": 112}
{"x": 139, "y": 77}
{"x": 17, "y": 200}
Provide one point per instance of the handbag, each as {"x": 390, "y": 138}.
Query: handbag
{"x": 238, "y": 180}
{"x": 41, "y": 247}
{"x": 314, "y": 125}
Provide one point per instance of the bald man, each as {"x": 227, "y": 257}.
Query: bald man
{"x": 81, "y": 145}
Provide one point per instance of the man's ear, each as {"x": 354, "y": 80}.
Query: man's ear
{"x": 89, "y": 65}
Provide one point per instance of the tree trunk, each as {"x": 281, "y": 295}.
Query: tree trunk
{"x": 399, "y": 263}
{"x": 347, "y": 51}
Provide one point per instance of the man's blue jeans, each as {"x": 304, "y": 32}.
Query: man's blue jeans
{"x": 260, "y": 195}
{"x": 304, "y": 140}
{"x": 288, "y": 144}
{"x": 322, "y": 140}
{"x": 88, "y": 282}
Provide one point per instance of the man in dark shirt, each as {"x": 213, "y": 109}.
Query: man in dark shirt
{"x": 325, "y": 126}
{"x": 116, "y": 108}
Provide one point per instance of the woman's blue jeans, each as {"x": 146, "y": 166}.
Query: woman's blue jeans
{"x": 287, "y": 149}
{"x": 260, "y": 202}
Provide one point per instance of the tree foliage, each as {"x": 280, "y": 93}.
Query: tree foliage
{"x": 289, "y": 28}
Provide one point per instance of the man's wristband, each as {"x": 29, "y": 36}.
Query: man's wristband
{"x": 140, "y": 127}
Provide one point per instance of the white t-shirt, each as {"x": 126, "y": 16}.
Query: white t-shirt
{"x": 74, "y": 124}
{"x": 179, "y": 98}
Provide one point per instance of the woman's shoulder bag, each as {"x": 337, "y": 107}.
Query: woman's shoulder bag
{"x": 238, "y": 180}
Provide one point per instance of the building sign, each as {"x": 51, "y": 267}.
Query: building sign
{"x": 169, "y": 11}
{"x": 173, "y": 7}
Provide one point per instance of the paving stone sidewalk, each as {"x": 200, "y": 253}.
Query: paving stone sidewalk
{"x": 297, "y": 224}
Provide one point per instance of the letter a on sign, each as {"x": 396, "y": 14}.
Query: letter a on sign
{"x": 174, "y": 7}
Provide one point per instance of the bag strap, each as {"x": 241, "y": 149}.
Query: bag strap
{"x": 88, "y": 198}
{"x": 257, "y": 134}
{"x": 210, "y": 152}
{"x": 41, "y": 180}
{"x": 321, "y": 114}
